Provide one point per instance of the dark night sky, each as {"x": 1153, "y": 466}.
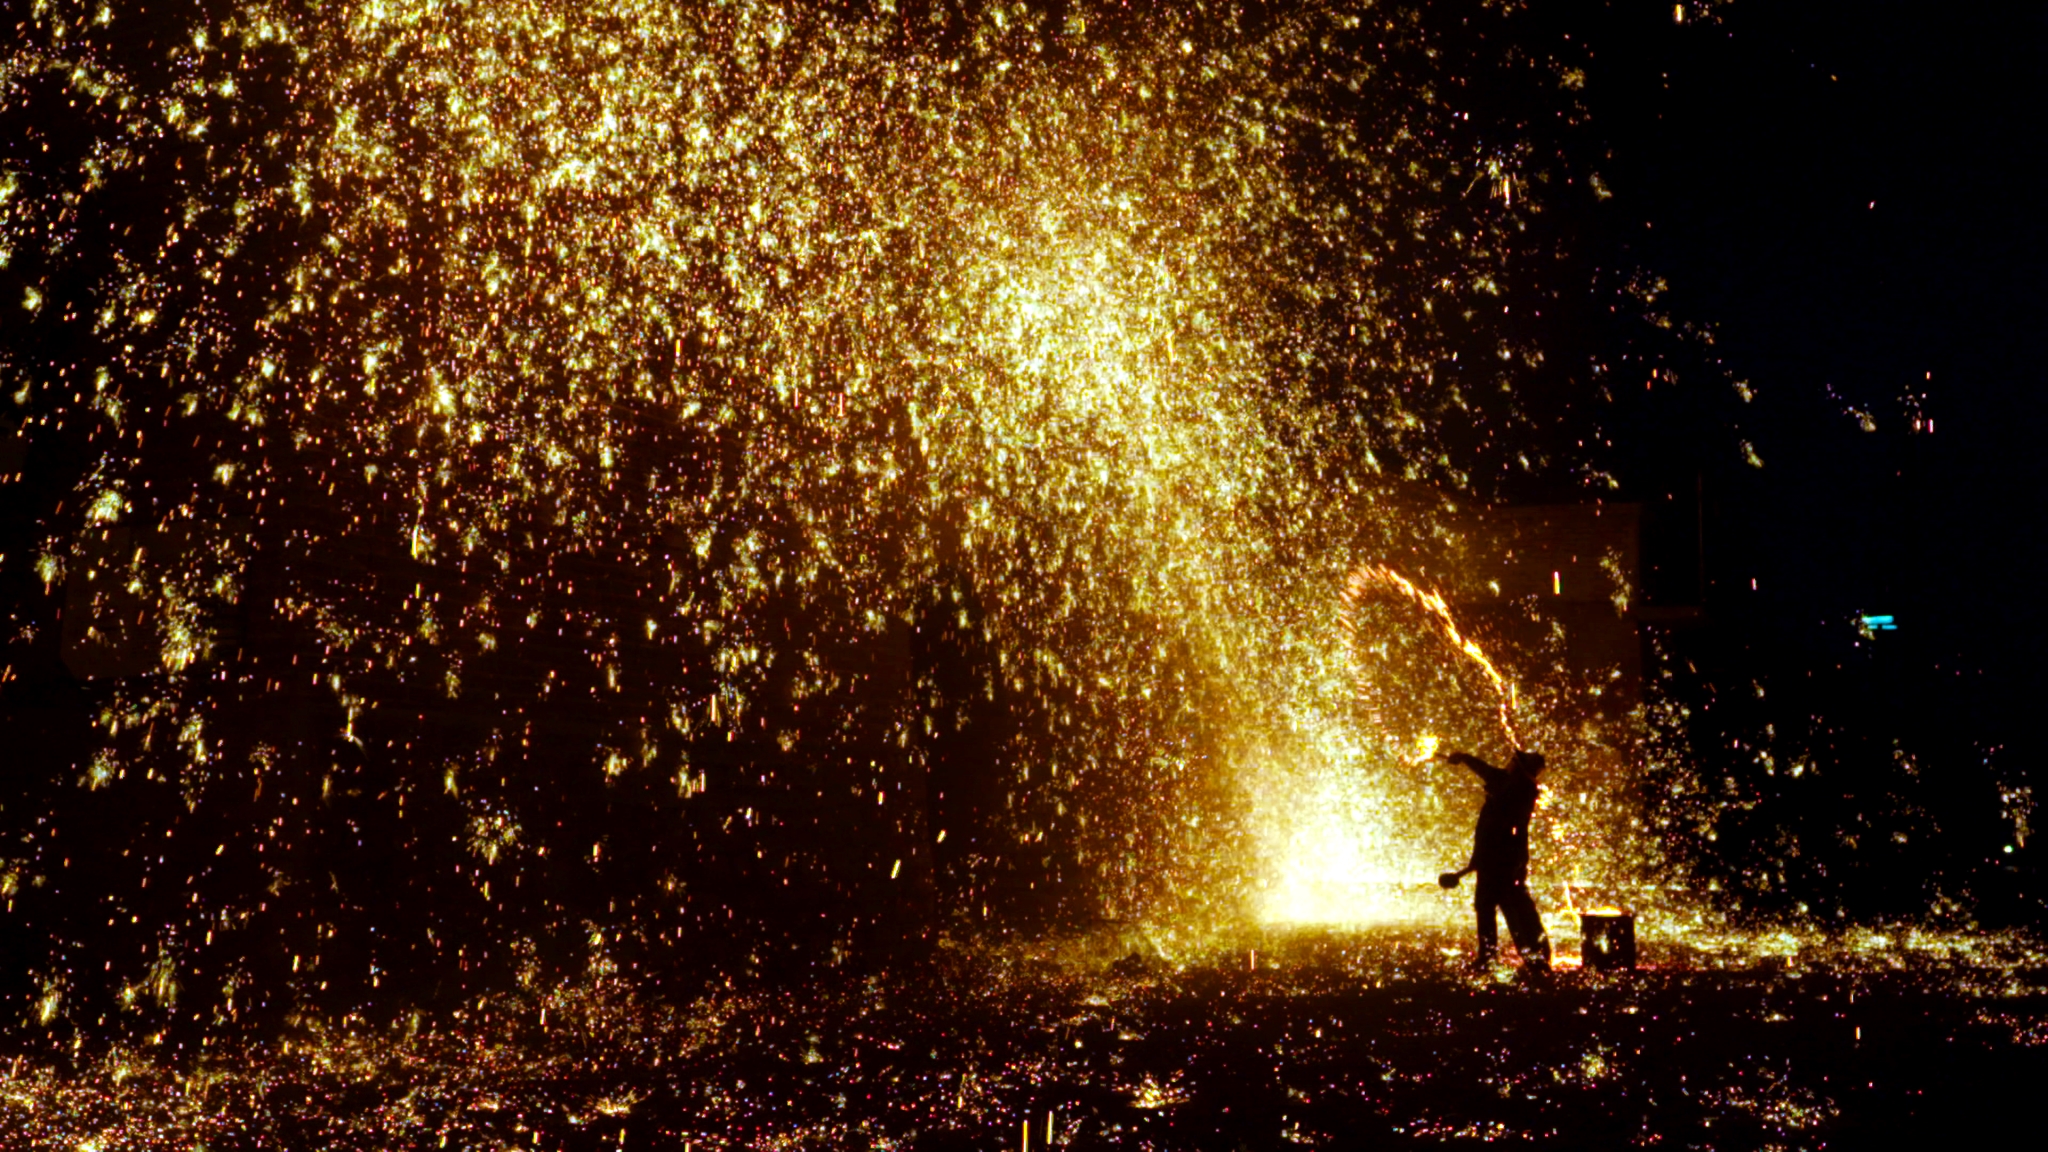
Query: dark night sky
{"x": 1847, "y": 192}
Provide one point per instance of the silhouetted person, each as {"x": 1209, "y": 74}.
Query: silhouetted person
{"x": 1500, "y": 855}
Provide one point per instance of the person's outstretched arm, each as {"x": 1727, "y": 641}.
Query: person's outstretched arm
{"x": 1479, "y": 767}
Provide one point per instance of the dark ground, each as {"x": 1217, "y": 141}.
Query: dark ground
{"x": 1328, "y": 1041}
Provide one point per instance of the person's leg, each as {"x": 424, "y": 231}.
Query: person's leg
{"x": 1485, "y": 899}
{"x": 1525, "y": 924}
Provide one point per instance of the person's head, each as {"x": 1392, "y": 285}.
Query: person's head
{"x": 1528, "y": 763}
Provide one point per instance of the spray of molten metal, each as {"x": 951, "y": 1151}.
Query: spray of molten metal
{"x": 1376, "y": 578}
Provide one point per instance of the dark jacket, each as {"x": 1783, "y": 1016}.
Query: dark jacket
{"x": 1501, "y": 842}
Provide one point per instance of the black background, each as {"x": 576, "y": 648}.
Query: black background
{"x": 1846, "y": 192}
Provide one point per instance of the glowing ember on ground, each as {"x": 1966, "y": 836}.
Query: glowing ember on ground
{"x": 1324, "y": 1038}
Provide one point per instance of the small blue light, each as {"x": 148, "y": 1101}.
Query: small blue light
{"x": 1880, "y": 623}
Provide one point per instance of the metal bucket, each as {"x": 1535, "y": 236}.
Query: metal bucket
{"x": 1607, "y": 941}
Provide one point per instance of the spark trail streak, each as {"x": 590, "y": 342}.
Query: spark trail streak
{"x": 1368, "y": 578}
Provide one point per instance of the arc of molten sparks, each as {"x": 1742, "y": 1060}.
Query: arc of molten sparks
{"x": 1368, "y": 576}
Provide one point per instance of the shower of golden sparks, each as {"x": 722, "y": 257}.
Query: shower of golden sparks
{"x": 575, "y": 449}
